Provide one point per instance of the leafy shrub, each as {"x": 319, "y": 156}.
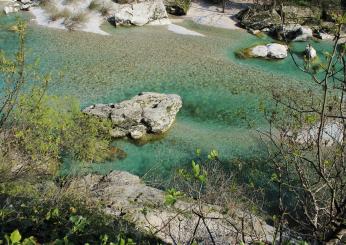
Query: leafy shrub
{"x": 48, "y": 127}
{"x": 48, "y": 214}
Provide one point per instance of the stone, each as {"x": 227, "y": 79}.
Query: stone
{"x": 332, "y": 134}
{"x": 138, "y": 132}
{"x": 272, "y": 50}
{"x": 258, "y": 19}
{"x": 139, "y": 14}
{"x": 277, "y": 51}
{"x": 25, "y": 1}
{"x": 10, "y": 9}
{"x": 259, "y": 51}
{"x": 126, "y": 196}
{"x": 295, "y": 32}
{"x": 176, "y": 7}
{"x": 324, "y": 36}
{"x": 146, "y": 113}
{"x": 254, "y": 32}
{"x": 25, "y": 7}
{"x": 310, "y": 52}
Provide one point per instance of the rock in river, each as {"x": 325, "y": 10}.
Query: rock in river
{"x": 139, "y": 14}
{"x": 272, "y": 50}
{"x": 146, "y": 113}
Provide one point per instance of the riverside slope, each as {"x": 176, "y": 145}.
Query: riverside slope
{"x": 126, "y": 196}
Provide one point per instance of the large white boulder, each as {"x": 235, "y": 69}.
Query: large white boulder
{"x": 140, "y": 13}
{"x": 146, "y": 113}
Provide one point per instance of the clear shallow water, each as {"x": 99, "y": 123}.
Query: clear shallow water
{"x": 220, "y": 93}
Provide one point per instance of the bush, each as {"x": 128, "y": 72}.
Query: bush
{"x": 48, "y": 127}
{"x": 48, "y": 214}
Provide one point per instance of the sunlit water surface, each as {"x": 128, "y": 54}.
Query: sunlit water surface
{"x": 220, "y": 92}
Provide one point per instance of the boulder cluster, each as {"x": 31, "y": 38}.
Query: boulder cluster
{"x": 300, "y": 23}
{"x": 272, "y": 50}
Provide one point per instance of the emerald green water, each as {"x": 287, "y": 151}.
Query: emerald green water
{"x": 220, "y": 92}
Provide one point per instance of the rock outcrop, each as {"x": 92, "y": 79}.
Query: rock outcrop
{"x": 299, "y": 21}
{"x": 139, "y": 14}
{"x": 258, "y": 19}
{"x": 126, "y": 196}
{"x": 272, "y": 50}
{"x": 146, "y": 113}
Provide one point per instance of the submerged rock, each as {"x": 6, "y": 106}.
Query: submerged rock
{"x": 146, "y": 113}
{"x": 127, "y": 197}
{"x": 272, "y": 50}
{"x": 141, "y": 13}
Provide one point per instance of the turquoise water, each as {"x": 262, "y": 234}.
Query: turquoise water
{"x": 220, "y": 92}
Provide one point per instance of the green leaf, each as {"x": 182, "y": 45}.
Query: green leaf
{"x": 196, "y": 169}
{"x": 172, "y": 196}
{"x": 15, "y": 237}
{"x": 213, "y": 155}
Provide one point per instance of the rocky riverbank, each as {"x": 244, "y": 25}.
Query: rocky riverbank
{"x": 289, "y": 23}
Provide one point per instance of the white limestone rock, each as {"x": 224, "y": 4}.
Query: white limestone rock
{"x": 141, "y": 13}
{"x": 272, "y": 50}
{"x": 259, "y": 51}
{"x": 277, "y": 51}
{"x": 146, "y": 113}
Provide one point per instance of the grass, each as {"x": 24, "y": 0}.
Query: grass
{"x": 63, "y": 14}
{"x": 75, "y": 20}
{"x": 95, "y": 5}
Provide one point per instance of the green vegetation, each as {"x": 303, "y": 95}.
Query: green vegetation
{"x": 45, "y": 213}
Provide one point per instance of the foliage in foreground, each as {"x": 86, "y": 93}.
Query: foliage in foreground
{"x": 49, "y": 214}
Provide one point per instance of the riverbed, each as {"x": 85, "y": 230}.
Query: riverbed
{"x": 220, "y": 93}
